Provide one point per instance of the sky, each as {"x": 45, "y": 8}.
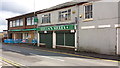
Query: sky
{"x": 11, "y": 8}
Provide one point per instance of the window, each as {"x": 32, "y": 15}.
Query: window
{"x": 88, "y": 11}
{"x": 17, "y": 22}
{"x": 11, "y": 24}
{"x": 26, "y": 35}
{"x": 14, "y": 24}
{"x": 28, "y": 21}
{"x": 65, "y": 15}
{"x": 33, "y": 21}
{"x": 21, "y": 22}
{"x": 46, "y": 18}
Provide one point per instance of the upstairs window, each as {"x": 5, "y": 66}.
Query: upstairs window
{"x": 46, "y": 18}
{"x": 11, "y": 24}
{"x": 88, "y": 11}
{"x": 14, "y": 24}
{"x": 33, "y": 21}
{"x": 17, "y": 22}
{"x": 65, "y": 15}
{"x": 28, "y": 21}
{"x": 21, "y": 22}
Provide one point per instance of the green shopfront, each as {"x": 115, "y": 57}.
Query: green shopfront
{"x": 59, "y": 35}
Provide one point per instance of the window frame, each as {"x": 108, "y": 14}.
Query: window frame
{"x": 21, "y": 21}
{"x": 30, "y": 21}
{"x": 46, "y": 18}
{"x": 17, "y": 22}
{"x": 11, "y": 24}
{"x": 65, "y": 15}
{"x": 14, "y": 23}
{"x": 90, "y": 17}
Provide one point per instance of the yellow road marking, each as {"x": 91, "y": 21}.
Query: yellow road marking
{"x": 74, "y": 55}
{"x": 11, "y": 62}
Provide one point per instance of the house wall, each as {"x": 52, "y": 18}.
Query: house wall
{"x": 118, "y": 41}
{"x": 118, "y": 30}
{"x": 95, "y": 38}
{"x": 55, "y": 16}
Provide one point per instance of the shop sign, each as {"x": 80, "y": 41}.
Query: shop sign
{"x": 28, "y": 29}
{"x": 35, "y": 19}
{"x": 14, "y": 30}
{"x": 23, "y": 29}
{"x": 61, "y": 27}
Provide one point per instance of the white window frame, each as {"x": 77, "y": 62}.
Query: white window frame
{"x": 91, "y": 17}
{"x": 14, "y": 24}
{"x": 46, "y": 18}
{"x": 21, "y": 22}
{"x": 65, "y": 15}
{"x": 33, "y": 23}
{"x": 11, "y": 23}
{"x": 17, "y": 22}
{"x": 28, "y": 20}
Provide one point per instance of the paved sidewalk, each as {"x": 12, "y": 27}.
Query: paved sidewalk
{"x": 94, "y": 55}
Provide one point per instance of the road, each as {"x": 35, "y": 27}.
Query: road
{"x": 31, "y": 57}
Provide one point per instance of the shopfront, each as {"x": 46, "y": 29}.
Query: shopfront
{"x": 23, "y": 34}
{"x": 59, "y": 35}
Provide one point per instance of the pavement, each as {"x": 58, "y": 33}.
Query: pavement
{"x": 26, "y": 55}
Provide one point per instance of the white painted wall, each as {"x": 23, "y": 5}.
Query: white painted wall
{"x": 55, "y": 16}
{"x": 99, "y": 40}
{"x": 118, "y": 40}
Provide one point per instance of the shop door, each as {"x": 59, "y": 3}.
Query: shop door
{"x": 46, "y": 39}
{"x": 65, "y": 38}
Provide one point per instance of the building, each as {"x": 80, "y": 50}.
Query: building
{"x": 56, "y": 31}
{"x": 1, "y": 36}
{"x": 22, "y": 27}
{"x": 5, "y": 35}
{"x": 87, "y": 25}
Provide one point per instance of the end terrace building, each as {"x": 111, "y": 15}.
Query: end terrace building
{"x": 87, "y": 25}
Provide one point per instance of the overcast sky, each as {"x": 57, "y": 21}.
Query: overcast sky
{"x": 11, "y": 8}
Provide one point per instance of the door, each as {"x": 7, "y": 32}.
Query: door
{"x": 65, "y": 38}
{"x": 46, "y": 38}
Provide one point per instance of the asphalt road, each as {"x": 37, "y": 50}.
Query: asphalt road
{"x": 31, "y": 57}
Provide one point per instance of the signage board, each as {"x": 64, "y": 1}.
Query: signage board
{"x": 61, "y": 27}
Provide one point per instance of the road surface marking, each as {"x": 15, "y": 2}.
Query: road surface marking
{"x": 47, "y": 57}
{"x": 2, "y": 63}
{"x": 14, "y": 50}
{"x": 11, "y": 62}
{"x": 73, "y": 54}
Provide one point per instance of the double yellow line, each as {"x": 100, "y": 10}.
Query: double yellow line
{"x": 13, "y": 63}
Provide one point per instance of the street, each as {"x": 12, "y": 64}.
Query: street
{"x": 24, "y": 56}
